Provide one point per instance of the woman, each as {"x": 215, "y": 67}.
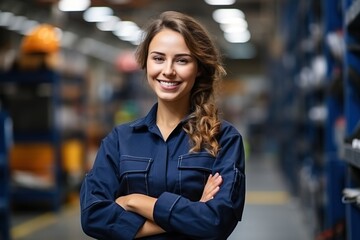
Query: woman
{"x": 177, "y": 173}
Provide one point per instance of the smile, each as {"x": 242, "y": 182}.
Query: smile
{"x": 168, "y": 83}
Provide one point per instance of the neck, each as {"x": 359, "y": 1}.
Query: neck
{"x": 168, "y": 117}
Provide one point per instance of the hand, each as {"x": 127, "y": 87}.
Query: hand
{"x": 211, "y": 188}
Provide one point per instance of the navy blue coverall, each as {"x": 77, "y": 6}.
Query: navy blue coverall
{"x": 134, "y": 158}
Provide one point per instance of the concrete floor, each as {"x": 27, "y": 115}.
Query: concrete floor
{"x": 270, "y": 213}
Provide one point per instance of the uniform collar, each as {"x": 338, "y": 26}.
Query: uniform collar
{"x": 148, "y": 120}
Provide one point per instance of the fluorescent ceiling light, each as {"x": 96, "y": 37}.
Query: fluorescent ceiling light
{"x": 6, "y": 18}
{"x": 97, "y": 14}
{"x": 238, "y": 37}
{"x": 125, "y": 29}
{"x": 134, "y": 38}
{"x": 73, "y": 5}
{"x": 236, "y": 25}
{"x": 16, "y": 23}
{"x": 128, "y": 31}
{"x": 225, "y": 15}
{"x": 220, "y": 2}
{"x": 109, "y": 24}
{"x": 27, "y": 26}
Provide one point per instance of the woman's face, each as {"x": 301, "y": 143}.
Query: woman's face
{"x": 171, "y": 69}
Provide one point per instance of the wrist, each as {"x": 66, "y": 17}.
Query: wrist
{"x": 141, "y": 204}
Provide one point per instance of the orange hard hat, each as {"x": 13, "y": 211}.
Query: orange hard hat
{"x": 42, "y": 39}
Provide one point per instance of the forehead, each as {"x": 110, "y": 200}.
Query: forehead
{"x": 168, "y": 40}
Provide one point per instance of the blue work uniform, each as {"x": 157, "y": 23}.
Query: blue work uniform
{"x": 134, "y": 158}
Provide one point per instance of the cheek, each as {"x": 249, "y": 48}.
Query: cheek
{"x": 152, "y": 69}
{"x": 190, "y": 75}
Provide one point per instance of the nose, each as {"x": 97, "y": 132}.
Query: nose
{"x": 169, "y": 70}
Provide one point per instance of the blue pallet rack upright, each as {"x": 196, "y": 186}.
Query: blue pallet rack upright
{"x": 351, "y": 9}
{"x": 5, "y": 143}
{"x": 334, "y": 166}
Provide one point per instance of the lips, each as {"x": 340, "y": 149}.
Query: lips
{"x": 168, "y": 84}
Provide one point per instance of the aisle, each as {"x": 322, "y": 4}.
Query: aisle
{"x": 270, "y": 212}
{"x": 37, "y": 225}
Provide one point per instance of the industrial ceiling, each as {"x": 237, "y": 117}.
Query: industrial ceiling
{"x": 261, "y": 16}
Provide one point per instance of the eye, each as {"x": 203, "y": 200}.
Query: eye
{"x": 182, "y": 61}
{"x": 158, "y": 59}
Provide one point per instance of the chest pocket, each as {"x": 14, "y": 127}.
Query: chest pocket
{"x": 134, "y": 174}
{"x": 194, "y": 170}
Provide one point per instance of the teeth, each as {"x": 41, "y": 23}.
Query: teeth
{"x": 168, "y": 83}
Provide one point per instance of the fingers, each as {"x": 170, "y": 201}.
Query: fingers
{"x": 214, "y": 181}
{"x": 212, "y": 187}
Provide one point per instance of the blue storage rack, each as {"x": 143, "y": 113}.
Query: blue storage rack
{"x": 53, "y": 196}
{"x": 322, "y": 154}
{"x": 335, "y": 168}
{"x": 5, "y": 142}
{"x": 351, "y": 10}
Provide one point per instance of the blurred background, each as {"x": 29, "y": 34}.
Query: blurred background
{"x": 68, "y": 76}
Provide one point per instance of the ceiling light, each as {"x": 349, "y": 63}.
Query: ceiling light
{"x": 6, "y": 18}
{"x": 97, "y": 14}
{"x": 16, "y": 23}
{"x": 109, "y": 24}
{"x": 71, "y": 5}
{"x": 27, "y": 26}
{"x": 220, "y": 2}
{"x": 125, "y": 29}
{"x": 237, "y": 25}
{"x": 225, "y": 15}
{"x": 134, "y": 38}
{"x": 238, "y": 37}
{"x": 128, "y": 31}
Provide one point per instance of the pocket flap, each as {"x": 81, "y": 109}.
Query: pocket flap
{"x": 132, "y": 164}
{"x": 200, "y": 161}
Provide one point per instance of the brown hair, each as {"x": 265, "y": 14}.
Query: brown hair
{"x": 203, "y": 125}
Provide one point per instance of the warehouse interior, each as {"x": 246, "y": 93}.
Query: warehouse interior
{"x": 292, "y": 89}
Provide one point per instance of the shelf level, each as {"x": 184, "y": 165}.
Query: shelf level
{"x": 43, "y": 76}
{"x": 352, "y": 18}
{"x": 352, "y": 156}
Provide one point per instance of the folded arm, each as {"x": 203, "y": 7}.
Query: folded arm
{"x": 144, "y": 205}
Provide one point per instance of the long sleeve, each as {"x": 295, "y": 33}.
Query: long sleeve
{"x": 101, "y": 217}
{"x": 216, "y": 218}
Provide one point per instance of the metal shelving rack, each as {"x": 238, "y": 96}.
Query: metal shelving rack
{"x": 52, "y": 135}
{"x": 351, "y": 10}
{"x": 324, "y": 151}
{"x": 352, "y": 156}
{"x": 335, "y": 168}
{"x": 5, "y": 142}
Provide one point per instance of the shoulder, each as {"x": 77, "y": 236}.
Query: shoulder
{"x": 228, "y": 128}
{"x": 124, "y": 129}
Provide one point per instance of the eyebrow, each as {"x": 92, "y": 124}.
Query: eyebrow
{"x": 176, "y": 55}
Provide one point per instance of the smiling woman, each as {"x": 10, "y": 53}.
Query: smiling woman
{"x": 171, "y": 70}
{"x": 177, "y": 173}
